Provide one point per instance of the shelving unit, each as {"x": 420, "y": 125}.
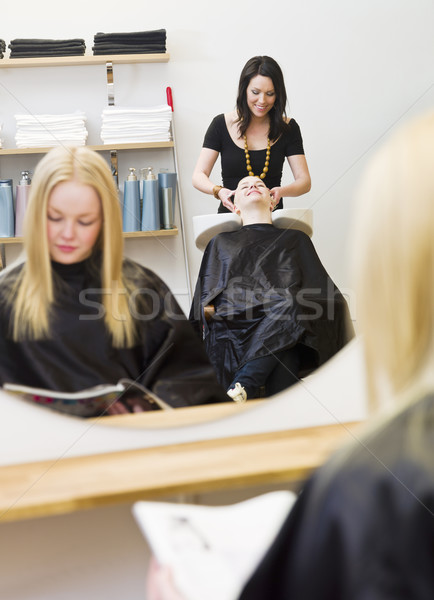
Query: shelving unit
{"x": 98, "y": 148}
{"x": 109, "y": 61}
{"x": 75, "y": 61}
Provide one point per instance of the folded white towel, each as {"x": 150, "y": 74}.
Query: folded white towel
{"x": 50, "y": 130}
{"x": 136, "y": 124}
{"x": 120, "y": 110}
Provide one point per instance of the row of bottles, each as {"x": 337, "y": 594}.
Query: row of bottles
{"x": 11, "y": 218}
{"x": 149, "y": 204}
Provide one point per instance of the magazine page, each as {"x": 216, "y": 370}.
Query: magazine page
{"x": 212, "y": 550}
{"x": 89, "y": 402}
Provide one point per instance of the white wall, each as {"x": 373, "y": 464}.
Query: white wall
{"x": 354, "y": 71}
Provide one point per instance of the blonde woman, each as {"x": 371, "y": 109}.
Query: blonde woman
{"x": 76, "y": 313}
{"x": 363, "y": 526}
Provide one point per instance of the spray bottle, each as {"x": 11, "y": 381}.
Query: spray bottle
{"x": 21, "y": 201}
{"x": 151, "y": 207}
{"x": 131, "y": 204}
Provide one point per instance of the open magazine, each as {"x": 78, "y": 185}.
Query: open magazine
{"x": 212, "y": 550}
{"x": 90, "y": 402}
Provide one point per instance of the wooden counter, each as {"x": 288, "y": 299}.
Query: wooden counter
{"x": 71, "y": 484}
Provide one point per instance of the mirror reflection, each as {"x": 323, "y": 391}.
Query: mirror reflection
{"x": 265, "y": 311}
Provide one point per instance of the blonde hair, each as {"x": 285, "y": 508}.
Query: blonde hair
{"x": 33, "y": 293}
{"x": 394, "y": 259}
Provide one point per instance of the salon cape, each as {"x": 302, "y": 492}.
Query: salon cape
{"x": 363, "y": 526}
{"x": 167, "y": 356}
{"x": 270, "y": 292}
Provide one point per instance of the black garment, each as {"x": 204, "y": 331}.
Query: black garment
{"x": 269, "y": 375}
{"x": 134, "y": 42}
{"x": 270, "y": 292}
{"x": 154, "y": 35}
{"x": 233, "y": 158}
{"x": 101, "y": 49}
{"x": 363, "y": 528}
{"x": 167, "y": 358}
{"x": 28, "y": 47}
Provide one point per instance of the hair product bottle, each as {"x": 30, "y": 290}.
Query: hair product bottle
{"x": 166, "y": 180}
{"x": 167, "y": 208}
{"x": 6, "y": 208}
{"x": 21, "y": 201}
{"x": 151, "y": 207}
{"x": 131, "y": 204}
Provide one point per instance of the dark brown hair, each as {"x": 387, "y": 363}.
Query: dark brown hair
{"x": 267, "y": 67}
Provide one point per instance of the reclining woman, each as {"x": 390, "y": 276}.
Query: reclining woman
{"x": 278, "y": 315}
{"x": 77, "y": 314}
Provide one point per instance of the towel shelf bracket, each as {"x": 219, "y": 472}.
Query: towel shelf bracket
{"x": 110, "y": 84}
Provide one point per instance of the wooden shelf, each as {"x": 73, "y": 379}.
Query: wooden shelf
{"x": 54, "y": 487}
{"x": 68, "y": 61}
{"x": 97, "y": 147}
{"x": 131, "y": 234}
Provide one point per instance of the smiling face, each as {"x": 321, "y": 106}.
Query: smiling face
{"x": 261, "y": 95}
{"x": 252, "y": 191}
{"x": 74, "y": 220}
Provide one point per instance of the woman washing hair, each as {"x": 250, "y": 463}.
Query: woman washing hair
{"x": 254, "y": 139}
{"x": 77, "y": 314}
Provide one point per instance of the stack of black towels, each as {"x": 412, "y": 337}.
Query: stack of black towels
{"x": 138, "y": 42}
{"x": 29, "y": 48}
{"x": 2, "y": 48}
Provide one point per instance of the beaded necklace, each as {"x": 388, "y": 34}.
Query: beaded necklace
{"x": 267, "y": 159}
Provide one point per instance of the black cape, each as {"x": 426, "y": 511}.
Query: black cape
{"x": 167, "y": 358}
{"x": 363, "y": 527}
{"x": 270, "y": 292}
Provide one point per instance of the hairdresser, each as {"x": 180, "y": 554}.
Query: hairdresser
{"x": 254, "y": 139}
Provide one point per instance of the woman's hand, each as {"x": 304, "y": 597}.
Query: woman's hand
{"x": 225, "y": 196}
{"x": 159, "y": 583}
{"x": 276, "y": 195}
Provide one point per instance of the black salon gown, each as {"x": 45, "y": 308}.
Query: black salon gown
{"x": 363, "y": 528}
{"x": 167, "y": 357}
{"x": 270, "y": 292}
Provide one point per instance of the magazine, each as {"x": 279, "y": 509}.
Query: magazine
{"x": 212, "y": 550}
{"x": 90, "y": 402}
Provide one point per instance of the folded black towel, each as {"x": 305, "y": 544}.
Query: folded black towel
{"x": 31, "y": 47}
{"x": 18, "y": 42}
{"x": 131, "y": 50}
{"x": 157, "y": 35}
{"x": 46, "y": 52}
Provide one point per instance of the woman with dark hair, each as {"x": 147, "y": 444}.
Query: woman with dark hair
{"x": 254, "y": 139}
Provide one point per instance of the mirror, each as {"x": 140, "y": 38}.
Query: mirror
{"x": 350, "y": 76}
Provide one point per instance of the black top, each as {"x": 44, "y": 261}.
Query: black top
{"x": 167, "y": 358}
{"x": 363, "y": 527}
{"x": 270, "y": 292}
{"x": 233, "y": 158}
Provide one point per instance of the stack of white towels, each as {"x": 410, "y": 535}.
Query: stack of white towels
{"x": 42, "y": 131}
{"x": 122, "y": 125}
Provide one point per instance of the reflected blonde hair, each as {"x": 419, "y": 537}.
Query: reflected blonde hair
{"x": 394, "y": 259}
{"x": 33, "y": 292}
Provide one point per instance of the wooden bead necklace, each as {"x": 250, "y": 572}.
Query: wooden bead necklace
{"x": 267, "y": 159}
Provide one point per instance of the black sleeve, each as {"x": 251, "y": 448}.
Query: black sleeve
{"x": 293, "y": 139}
{"x": 213, "y": 136}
